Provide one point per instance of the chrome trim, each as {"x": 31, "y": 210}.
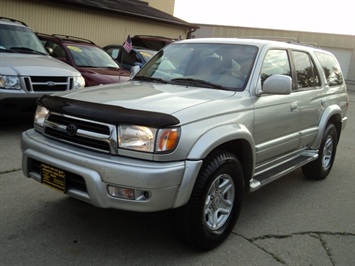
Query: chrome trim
{"x": 110, "y": 139}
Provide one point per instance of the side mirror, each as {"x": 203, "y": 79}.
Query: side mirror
{"x": 277, "y": 84}
{"x": 134, "y": 71}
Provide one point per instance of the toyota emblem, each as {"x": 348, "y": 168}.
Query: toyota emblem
{"x": 71, "y": 130}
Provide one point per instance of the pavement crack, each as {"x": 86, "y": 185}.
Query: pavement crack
{"x": 277, "y": 258}
{"x": 11, "y": 171}
{"x": 315, "y": 234}
{"x": 325, "y": 246}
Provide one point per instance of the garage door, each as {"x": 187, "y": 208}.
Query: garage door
{"x": 344, "y": 58}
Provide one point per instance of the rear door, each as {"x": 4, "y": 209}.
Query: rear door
{"x": 311, "y": 102}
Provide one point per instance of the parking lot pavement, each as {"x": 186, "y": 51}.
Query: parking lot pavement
{"x": 293, "y": 221}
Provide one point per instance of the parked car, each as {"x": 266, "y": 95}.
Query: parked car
{"x": 93, "y": 63}
{"x": 27, "y": 71}
{"x": 136, "y": 57}
{"x": 199, "y": 125}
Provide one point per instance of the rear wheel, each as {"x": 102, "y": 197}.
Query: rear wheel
{"x": 320, "y": 168}
{"x": 212, "y": 211}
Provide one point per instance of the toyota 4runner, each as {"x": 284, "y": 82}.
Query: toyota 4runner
{"x": 203, "y": 122}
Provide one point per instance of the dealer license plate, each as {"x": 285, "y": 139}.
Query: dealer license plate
{"x": 53, "y": 177}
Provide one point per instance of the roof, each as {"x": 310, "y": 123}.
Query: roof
{"x": 135, "y": 8}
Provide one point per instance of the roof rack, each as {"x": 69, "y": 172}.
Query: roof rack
{"x": 14, "y": 20}
{"x": 283, "y": 39}
{"x": 72, "y": 38}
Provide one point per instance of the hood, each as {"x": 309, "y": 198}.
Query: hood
{"x": 152, "y": 97}
{"x": 98, "y": 76}
{"x": 34, "y": 65}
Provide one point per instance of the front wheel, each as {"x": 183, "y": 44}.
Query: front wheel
{"x": 212, "y": 211}
{"x": 320, "y": 168}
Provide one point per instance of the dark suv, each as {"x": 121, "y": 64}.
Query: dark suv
{"x": 95, "y": 65}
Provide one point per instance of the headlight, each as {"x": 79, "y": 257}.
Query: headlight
{"x": 147, "y": 139}
{"x": 79, "y": 82}
{"x": 10, "y": 82}
{"x": 40, "y": 116}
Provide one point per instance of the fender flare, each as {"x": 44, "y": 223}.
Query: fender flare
{"x": 204, "y": 146}
{"x": 327, "y": 114}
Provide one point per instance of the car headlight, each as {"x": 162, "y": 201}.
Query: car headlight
{"x": 147, "y": 139}
{"x": 79, "y": 82}
{"x": 40, "y": 116}
{"x": 10, "y": 82}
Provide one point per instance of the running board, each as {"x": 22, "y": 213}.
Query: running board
{"x": 273, "y": 174}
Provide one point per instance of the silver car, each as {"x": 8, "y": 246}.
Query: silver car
{"x": 202, "y": 123}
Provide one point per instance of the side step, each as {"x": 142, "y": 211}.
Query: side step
{"x": 273, "y": 174}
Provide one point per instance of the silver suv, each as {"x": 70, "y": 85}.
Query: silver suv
{"x": 27, "y": 71}
{"x": 203, "y": 122}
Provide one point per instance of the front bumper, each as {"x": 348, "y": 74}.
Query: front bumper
{"x": 168, "y": 183}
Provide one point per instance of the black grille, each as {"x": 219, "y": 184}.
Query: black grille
{"x": 86, "y": 141}
{"x": 41, "y": 84}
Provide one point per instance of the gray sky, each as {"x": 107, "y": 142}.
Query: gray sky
{"x": 327, "y": 16}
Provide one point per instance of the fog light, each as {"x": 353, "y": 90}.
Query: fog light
{"x": 121, "y": 192}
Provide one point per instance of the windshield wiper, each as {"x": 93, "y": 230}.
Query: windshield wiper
{"x": 27, "y": 50}
{"x": 144, "y": 78}
{"x": 198, "y": 82}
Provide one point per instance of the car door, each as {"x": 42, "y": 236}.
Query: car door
{"x": 276, "y": 129}
{"x": 311, "y": 100}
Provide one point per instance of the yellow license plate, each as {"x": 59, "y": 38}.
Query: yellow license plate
{"x": 53, "y": 177}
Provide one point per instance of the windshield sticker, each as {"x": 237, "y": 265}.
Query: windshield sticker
{"x": 74, "y": 48}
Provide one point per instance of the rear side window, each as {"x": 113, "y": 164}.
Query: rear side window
{"x": 331, "y": 69}
{"x": 276, "y": 62}
{"x": 307, "y": 73}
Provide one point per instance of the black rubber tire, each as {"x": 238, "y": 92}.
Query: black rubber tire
{"x": 190, "y": 222}
{"x": 320, "y": 168}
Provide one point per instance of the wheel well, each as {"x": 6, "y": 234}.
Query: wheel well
{"x": 242, "y": 150}
{"x": 336, "y": 121}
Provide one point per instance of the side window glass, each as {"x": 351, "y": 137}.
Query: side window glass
{"x": 276, "y": 62}
{"x": 331, "y": 69}
{"x": 307, "y": 73}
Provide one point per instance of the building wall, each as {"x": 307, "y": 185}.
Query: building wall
{"x": 343, "y": 46}
{"x": 103, "y": 28}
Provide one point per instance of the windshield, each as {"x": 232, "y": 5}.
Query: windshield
{"x": 222, "y": 66}
{"x": 18, "y": 39}
{"x": 91, "y": 56}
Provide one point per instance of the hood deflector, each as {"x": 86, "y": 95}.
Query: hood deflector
{"x": 106, "y": 113}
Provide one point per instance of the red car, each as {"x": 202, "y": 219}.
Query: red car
{"x": 95, "y": 65}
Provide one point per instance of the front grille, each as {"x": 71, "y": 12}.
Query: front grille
{"x": 43, "y": 84}
{"x": 88, "y": 134}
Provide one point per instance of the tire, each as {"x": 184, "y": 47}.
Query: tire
{"x": 320, "y": 168}
{"x": 213, "y": 208}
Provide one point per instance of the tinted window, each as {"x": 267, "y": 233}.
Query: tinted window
{"x": 331, "y": 69}
{"x": 307, "y": 74}
{"x": 276, "y": 62}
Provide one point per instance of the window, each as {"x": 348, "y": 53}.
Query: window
{"x": 307, "y": 73}
{"x": 331, "y": 68}
{"x": 276, "y": 62}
